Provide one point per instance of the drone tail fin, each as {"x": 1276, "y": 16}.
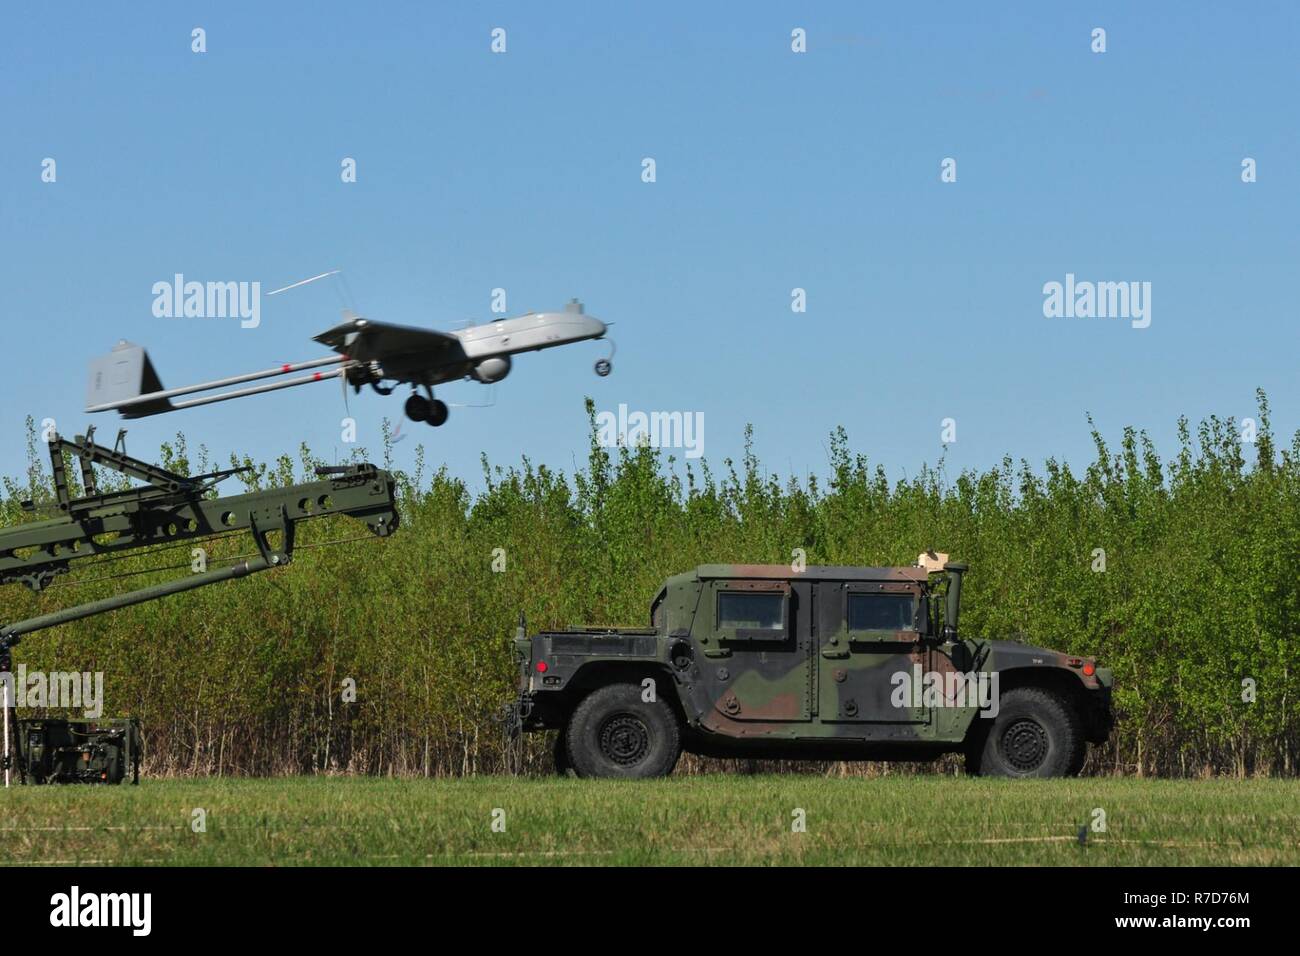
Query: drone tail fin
{"x": 119, "y": 379}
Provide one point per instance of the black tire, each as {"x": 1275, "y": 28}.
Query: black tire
{"x": 1035, "y": 734}
{"x": 437, "y": 413}
{"x": 614, "y": 733}
{"x": 417, "y": 408}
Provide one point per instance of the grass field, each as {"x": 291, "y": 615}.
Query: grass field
{"x": 713, "y": 820}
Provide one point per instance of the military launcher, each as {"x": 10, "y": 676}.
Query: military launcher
{"x": 79, "y": 751}
{"x": 812, "y": 663}
{"x": 166, "y": 510}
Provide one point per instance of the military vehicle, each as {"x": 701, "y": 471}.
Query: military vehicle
{"x": 79, "y": 751}
{"x": 829, "y": 663}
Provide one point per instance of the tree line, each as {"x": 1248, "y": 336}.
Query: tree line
{"x": 392, "y": 656}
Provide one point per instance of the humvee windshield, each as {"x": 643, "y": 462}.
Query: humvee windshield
{"x": 657, "y": 609}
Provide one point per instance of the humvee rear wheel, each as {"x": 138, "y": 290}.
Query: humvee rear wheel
{"x": 1035, "y": 734}
{"x": 614, "y": 733}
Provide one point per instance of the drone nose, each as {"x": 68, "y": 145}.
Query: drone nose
{"x": 595, "y": 327}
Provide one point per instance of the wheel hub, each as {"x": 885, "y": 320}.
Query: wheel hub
{"x": 624, "y": 739}
{"x": 1024, "y": 744}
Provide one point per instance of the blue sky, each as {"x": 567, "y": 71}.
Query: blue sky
{"x": 775, "y": 170}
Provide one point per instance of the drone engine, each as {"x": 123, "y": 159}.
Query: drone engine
{"x": 492, "y": 369}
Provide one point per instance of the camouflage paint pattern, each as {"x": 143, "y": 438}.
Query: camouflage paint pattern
{"x": 810, "y": 688}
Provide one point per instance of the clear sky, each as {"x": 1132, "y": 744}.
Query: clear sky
{"x": 775, "y": 170}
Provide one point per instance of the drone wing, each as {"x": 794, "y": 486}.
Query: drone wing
{"x": 363, "y": 340}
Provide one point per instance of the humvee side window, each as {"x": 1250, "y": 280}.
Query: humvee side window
{"x": 881, "y": 612}
{"x": 751, "y": 611}
{"x": 752, "y": 614}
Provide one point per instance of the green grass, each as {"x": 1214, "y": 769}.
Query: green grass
{"x": 714, "y": 820}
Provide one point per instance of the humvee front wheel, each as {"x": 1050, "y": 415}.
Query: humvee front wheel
{"x": 1035, "y": 734}
{"x": 615, "y": 733}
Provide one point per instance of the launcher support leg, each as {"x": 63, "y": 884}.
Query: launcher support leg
{"x": 6, "y": 678}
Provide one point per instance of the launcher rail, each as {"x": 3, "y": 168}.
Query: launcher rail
{"x": 167, "y": 509}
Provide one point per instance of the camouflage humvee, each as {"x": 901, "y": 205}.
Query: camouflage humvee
{"x": 827, "y": 663}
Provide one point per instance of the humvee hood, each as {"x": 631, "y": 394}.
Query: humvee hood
{"x": 1016, "y": 654}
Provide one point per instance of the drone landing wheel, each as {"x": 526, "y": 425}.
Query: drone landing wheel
{"x": 437, "y": 413}
{"x": 418, "y": 409}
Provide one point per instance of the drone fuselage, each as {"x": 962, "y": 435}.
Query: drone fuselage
{"x": 477, "y": 346}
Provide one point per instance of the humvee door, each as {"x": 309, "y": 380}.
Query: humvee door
{"x": 869, "y": 634}
{"x": 757, "y": 656}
